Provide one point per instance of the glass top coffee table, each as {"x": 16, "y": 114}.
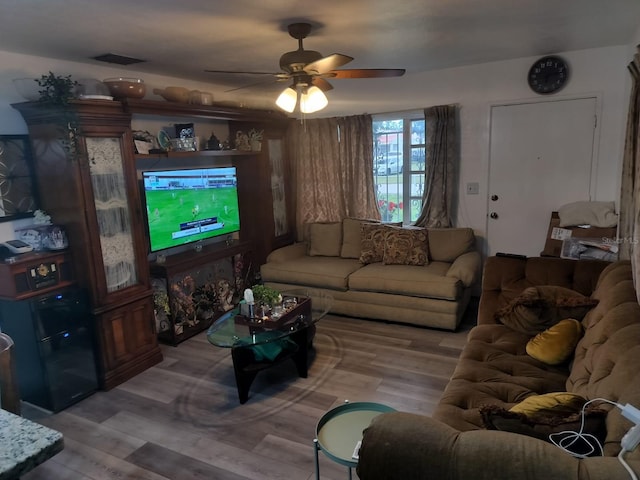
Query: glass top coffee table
{"x": 260, "y": 343}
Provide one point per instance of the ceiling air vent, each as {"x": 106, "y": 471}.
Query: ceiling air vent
{"x": 118, "y": 59}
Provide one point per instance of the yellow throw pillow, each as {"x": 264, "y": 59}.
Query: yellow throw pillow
{"x": 556, "y": 344}
{"x": 550, "y": 403}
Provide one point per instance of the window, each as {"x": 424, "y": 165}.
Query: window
{"x": 399, "y": 165}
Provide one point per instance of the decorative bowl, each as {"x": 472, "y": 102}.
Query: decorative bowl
{"x": 92, "y": 89}
{"x": 174, "y": 94}
{"x": 126, "y": 87}
{"x": 28, "y": 88}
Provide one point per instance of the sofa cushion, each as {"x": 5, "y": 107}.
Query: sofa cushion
{"x": 505, "y": 278}
{"x": 541, "y": 307}
{"x": 556, "y": 344}
{"x": 494, "y": 369}
{"x": 325, "y": 239}
{"x": 352, "y": 237}
{"x": 426, "y": 281}
{"x": 447, "y": 244}
{"x": 326, "y": 272}
{"x": 406, "y": 246}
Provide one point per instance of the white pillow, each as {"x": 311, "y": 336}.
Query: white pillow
{"x": 596, "y": 214}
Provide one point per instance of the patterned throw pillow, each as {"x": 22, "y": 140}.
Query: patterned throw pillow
{"x": 406, "y": 246}
{"x": 541, "y": 307}
{"x": 372, "y": 238}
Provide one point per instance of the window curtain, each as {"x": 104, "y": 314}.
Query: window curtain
{"x": 332, "y": 164}
{"x": 442, "y": 151}
{"x": 629, "y": 230}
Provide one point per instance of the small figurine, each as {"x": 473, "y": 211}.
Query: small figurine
{"x": 242, "y": 141}
{"x": 41, "y": 218}
{"x": 213, "y": 143}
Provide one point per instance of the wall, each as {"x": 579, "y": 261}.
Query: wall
{"x": 475, "y": 88}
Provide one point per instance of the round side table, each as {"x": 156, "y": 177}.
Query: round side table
{"x": 339, "y": 432}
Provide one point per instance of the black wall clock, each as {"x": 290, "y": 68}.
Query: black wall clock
{"x": 548, "y": 75}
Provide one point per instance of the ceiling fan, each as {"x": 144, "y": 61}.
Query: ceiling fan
{"x": 308, "y": 69}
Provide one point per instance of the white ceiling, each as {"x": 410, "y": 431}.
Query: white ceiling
{"x": 181, "y": 38}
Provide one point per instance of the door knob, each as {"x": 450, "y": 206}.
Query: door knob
{"x": 493, "y": 215}
{"x": 494, "y": 198}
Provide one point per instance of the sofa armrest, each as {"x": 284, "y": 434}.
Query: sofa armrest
{"x": 466, "y": 268}
{"x": 283, "y": 254}
{"x": 406, "y": 446}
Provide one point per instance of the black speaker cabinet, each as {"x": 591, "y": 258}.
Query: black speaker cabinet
{"x": 30, "y": 274}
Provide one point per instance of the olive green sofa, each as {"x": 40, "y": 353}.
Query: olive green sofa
{"x": 329, "y": 259}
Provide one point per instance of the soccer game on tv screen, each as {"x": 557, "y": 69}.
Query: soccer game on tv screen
{"x": 185, "y": 206}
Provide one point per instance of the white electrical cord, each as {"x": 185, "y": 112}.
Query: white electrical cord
{"x": 632, "y": 474}
{"x": 629, "y": 442}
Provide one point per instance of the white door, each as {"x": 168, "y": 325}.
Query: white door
{"x": 540, "y": 159}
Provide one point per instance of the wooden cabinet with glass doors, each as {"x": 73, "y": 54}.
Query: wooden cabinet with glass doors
{"x": 87, "y": 182}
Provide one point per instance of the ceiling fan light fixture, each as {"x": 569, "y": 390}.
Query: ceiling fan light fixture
{"x": 287, "y": 100}
{"x": 313, "y": 100}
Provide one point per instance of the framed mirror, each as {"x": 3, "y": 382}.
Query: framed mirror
{"x": 18, "y": 195}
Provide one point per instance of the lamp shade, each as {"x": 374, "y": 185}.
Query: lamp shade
{"x": 313, "y": 100}
{"x": 287, "y": 100}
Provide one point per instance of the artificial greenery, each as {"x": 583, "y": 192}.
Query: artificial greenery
{"x": 265, "y": 295}
{"x": 56, "y": 90}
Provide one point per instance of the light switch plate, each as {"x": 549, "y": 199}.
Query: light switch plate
{"x": 473, "y": 188}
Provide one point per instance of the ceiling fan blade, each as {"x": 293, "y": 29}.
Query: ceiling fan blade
{"x": 241, "y": 72}
{"x": 322, "y": 84}
{"x": 367, "y": 73}
{"x": 328, "y": 63}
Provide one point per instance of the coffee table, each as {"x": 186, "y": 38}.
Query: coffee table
{"x": 256, "y": 345}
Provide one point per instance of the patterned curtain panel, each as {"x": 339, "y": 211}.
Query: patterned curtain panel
{"x": 332, "y": 164}
{"x": 356, "y": 158}
{"x": 442, "y": 152}
{"x": 629, "y": 231}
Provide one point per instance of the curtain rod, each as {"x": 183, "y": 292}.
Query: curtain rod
{"x": 413, "y": 110}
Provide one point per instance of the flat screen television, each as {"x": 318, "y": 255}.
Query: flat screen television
{"x": 190, "y": 205}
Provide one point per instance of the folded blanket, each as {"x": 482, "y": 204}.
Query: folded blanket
{"x": 595, "y": 214}
{"x": 272, "y": 348}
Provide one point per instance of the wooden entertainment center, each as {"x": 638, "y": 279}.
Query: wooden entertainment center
{"x": 87, "y": 175}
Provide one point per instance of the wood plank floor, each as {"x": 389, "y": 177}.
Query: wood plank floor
{"x": 181, "y": 419}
